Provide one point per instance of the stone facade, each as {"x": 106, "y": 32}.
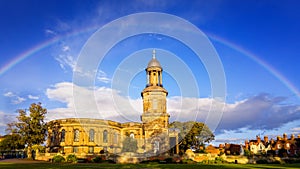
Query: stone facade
{"x": 92, "y": 136}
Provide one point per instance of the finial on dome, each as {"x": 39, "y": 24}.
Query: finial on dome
{"x": 153, "y": 54}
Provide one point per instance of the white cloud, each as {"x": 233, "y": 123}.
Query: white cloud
{"x": 66, "y": 48}
{"x": 102, "y": 103}
{"x": 295, "y": 130}
{"x": 6, "y": 118}
{"x": 14, "y": 98}
{"x": 50, "y": 32}
{"x": 230, "y": 140}
{"x": 33, "y": 97}
{"x": 261, "y": 112}
{"x": 102, "y": 77}
{"x": 18, "y": 100}
{"x": 9, "y": 94}
{"x": 66, "y": 61}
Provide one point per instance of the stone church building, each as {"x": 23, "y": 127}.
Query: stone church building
{"x": 83, "y": 136}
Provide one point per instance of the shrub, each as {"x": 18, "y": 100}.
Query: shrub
{"x": 188, "y": 161}
{"x": 58, "y": 159}
{"x": 71, "y": 158}
{"x": 97, "y": 159}
{"x": 169, "y": 160}
{"x": 219, "y": 160}
{"x": 247, "y": 152}
{"x": 262, "y": 161}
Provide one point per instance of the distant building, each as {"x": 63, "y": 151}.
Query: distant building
{"x": 88, "y": 136}
{"x": 231, "y": 149}
{"x": 281, "y": 146}
{"x": 212, "y": 150}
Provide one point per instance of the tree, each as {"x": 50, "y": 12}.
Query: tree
{"x": 129, "y": 145}
{"x": 192, "y": 134}
{"x": 31, "y": 127}
{"x": 11, "y": 142}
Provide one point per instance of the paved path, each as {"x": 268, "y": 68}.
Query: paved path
{"x": 25, "y": 161}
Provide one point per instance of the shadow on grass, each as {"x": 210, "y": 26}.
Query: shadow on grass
{"x": 137, "y": 166}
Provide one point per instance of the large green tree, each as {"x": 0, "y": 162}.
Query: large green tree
{"x": 30, "y": 126}
{"x": 11, "y": 142}
{"x": 192, "y": 134}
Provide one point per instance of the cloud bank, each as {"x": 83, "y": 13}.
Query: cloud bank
{"x": 262, "y": 111}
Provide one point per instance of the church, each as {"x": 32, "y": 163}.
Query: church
{"x": 84, "y": 136}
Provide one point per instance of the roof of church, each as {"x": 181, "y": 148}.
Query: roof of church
{"x": 154, "y": 62}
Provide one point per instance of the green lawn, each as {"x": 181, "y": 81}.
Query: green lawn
{"x": 144, "y": 166}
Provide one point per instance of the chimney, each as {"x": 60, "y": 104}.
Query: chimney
{"x": 292, "y": 137}
{"x": 284, "y": 136}
{"x": 246, "y": 144}
{"x": 266, "y": 139}
{"x": 258, "y": 139}
{"x": 278, "y": 138}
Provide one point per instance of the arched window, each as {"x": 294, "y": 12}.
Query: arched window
{"x": 53, "y": 138}
{"x": 131, "y": 135}
{"x": 63, "y": 135}
{"x": 116, "y": 138}
{"x": 76, "y": 135}
{"x": 156, "y": 146}
{"x": 91, "y": 135}
{"x": 105, "y": 136}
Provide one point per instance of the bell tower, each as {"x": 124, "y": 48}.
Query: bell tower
{"x": 155, "y": 118}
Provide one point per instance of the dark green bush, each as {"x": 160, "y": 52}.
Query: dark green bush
{"x": 58, "y": 159}
{"x": 71, "y": 158}
{"x": 188, "y": 161}
{"x": 169, "y": 160}
{"x": 262, "y": 161}
{"x": 97, "y": 159}
{"x": 219, "y": 160}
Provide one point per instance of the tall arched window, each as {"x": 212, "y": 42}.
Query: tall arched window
{"x": 76, "y": 135}
{"x": 53, "y": 138}
{"x": 91, "y": 135}
{"x": 116, "y": 138}
{"x": 63, "y": 135}
{"x": 105, "y": 136}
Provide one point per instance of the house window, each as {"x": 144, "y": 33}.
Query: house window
{"x": 75, "y": 149}
{"x": 116, "y": 138}
{"x": 63, "y": 135}
{"x": 105, "y": 136}
{"x": 76, "y": 135}
{"x": 278, "y": 146}
{"x": 91, "y": 149}
{"x": 91, "y": 135}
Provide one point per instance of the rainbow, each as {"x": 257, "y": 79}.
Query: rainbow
{"x": 256, "y": 59}
{"x": 41, "y": 46}
{"x": 223, "y": 41}
{"x": 26, "y": 54}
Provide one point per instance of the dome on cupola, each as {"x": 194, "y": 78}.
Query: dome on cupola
{"x": 153, "y": 62}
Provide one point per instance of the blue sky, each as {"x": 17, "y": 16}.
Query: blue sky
{"x": 256, "y": 41}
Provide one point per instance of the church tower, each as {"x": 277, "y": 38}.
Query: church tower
{"x": 155, "y": 118}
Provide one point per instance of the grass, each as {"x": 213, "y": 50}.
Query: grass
{"x": 138, "y": 166}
